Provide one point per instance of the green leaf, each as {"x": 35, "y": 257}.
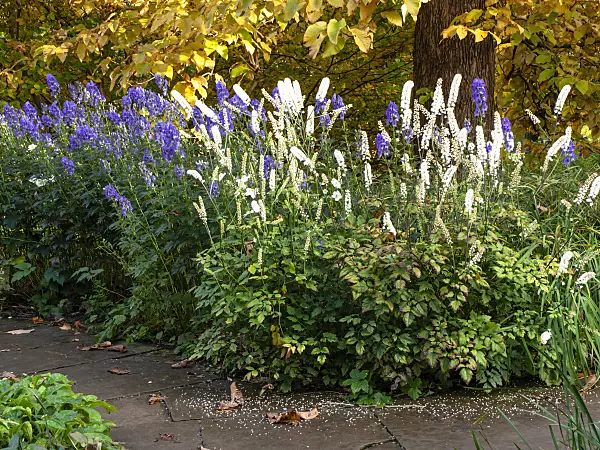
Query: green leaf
{"x": 333, "y": 29}
{"x": 546, "y": 74}
{"x": 582, "y": 86}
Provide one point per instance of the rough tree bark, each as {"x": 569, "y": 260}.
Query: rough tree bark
{"x": 436, "y": 58}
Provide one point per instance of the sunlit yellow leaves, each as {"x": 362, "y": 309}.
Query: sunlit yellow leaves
{"x": 313, "y": 37}
{"x": 394, "y": 17}
{"x": 362, "y": 38}
{"x": 582, "y": 86}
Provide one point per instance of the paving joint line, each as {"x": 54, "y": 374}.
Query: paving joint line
{"x": 51, "y": 369}
{"x": 393, "y": 437}
{"x": 375, "y": 444}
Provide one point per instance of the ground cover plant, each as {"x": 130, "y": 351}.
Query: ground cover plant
{"x": 268, "y": 237}
{"x": 42, "y": 411}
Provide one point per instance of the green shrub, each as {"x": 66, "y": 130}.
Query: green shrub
{"x": 42, "y": 411}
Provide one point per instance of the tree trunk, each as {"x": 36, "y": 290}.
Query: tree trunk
{"x": 436, "y": 58}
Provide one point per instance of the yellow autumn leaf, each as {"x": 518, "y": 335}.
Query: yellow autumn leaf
{"x": 394, "y": 17}
{"x": 362, "y": 38}
{"x": 480, "y": 35}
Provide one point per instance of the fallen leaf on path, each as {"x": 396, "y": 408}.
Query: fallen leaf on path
{"x": 166, "y": 437}
{"x": 117, "y": 371}
{"x": 78, "y": 325}
{"x": 292, "y": 416}
{"x": 37, "y": 320}
{"x": 591, "y": 382}
{"x": 237, "y": 399}
{"x": 21, "y": 331}
{"x": 66, "y": 327}
{"x": 117, "y": 348}
{"x": 181, "y": 364}
{"x": 9, "y": 375}
{"x": 74, "y": 340}
{"x": 106, "y": 345}
{"x": 156, "y": 398}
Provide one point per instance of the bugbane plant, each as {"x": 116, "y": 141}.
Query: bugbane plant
{"x": 265, "y": 236}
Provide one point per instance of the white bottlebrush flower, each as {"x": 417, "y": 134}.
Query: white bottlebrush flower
{"x": 403, "y": 191}
{"x": 566, "y": 204}
{"x": 469, "y": 201}
{"x": 555, "y": 148}
{"x": 481, "y": 146}
{"x": 201, "y": 210}
{"x": 347, "y": 202}
{"x": 339, "y": 157}
{"x": 310, "y": 120}
{"x": 534, "y": 119}
{"x": 545, "y": 337}
{"x": 255, "y": 206}
{"x": 424, "y": 169}
{"x": 583, "y": 279}
{"x": 583, "y": 190}
{"x": 368, "y": 176}
{"x": 564, "y": 262}
{"x": 437, "y": 105}
{"x": 594, "y": 191}
{"x": 363, "y": 146}
{"x": 301, "y": 156}
{"x": 406, "y": 94}
{"x": 388, "y": 226}
{"x": 216, "y": 135}
{"x": 195, "y": 174}
{"x": 336, "y": 183}
{"x": 337, "y": 196}
{"x": 241, "y": 94}
{"x": 448, "y": 176}
{"x": 322, "y": 91}
{"x": 181, "y": 101}
{"x": 272, "y": 180}
{"x": 251, "y": 193}
{"x": 454, "y": 91}
{"x": 560, "y": 101}
{"x": 254, "y": 122}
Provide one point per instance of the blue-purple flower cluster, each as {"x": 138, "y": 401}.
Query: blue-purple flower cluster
{"x": 479, "y": 96}
{"x": 111, "y": 193}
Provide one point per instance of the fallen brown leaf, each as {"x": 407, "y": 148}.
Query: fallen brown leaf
{"x": 181, "y": 364}
{"x": 9, "y": 375}
{"x": 37, "y": 320}
{"x": 155, "y": 398}
{"x": 66, "y": 327}
{"x": 106, "y": 345}
{"x": 117, "y": 371}
{"x": 265, "y": 388}
{"x": 292, "y": 416}
{"x": 591, "y": 382}
{"x": 31, "y": 330}
{"x": 166, "y": 437}
{"x": 78, "y": 325}
{"x": 117, "y": 348}
{"x": 237, "y": 399}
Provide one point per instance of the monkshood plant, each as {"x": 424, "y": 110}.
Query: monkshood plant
{"x": 263, "y": 235}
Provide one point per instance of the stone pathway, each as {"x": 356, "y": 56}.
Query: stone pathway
{"x": 187, "y": 419}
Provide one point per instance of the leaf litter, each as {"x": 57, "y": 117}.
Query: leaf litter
{"x": 237, "y": 399}
{"x": 117, "y": 371}
{"x": 30, "y": 330}
{"x": 292, "y": 416}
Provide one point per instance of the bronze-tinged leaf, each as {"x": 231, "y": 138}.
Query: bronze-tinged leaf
{"x": 9, "y": 376}
{"x": 37, "y": 320}
{"x": 156, "y": 398}
{"x": 236, "y": 394}
{"x": 309, "y": 415}
{"x": 78, "y": 325}
{"x": 15, "y": 332}
{"x": 117, "y": 348}
{"x": 66, "y": 327}
{"x": 117, "y": 371}
{"x": 181, "y": 364}
{"x": 225, "y": 406}
{"x": 591, "y": 383}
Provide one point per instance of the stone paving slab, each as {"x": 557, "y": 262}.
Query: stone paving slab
{"x": 49, "y": 348}
{"x": 149, "y": 372}
{"x": 445, "y": 421}
{"x": 337, "y": 427}
{"x": 140, "y": 426}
